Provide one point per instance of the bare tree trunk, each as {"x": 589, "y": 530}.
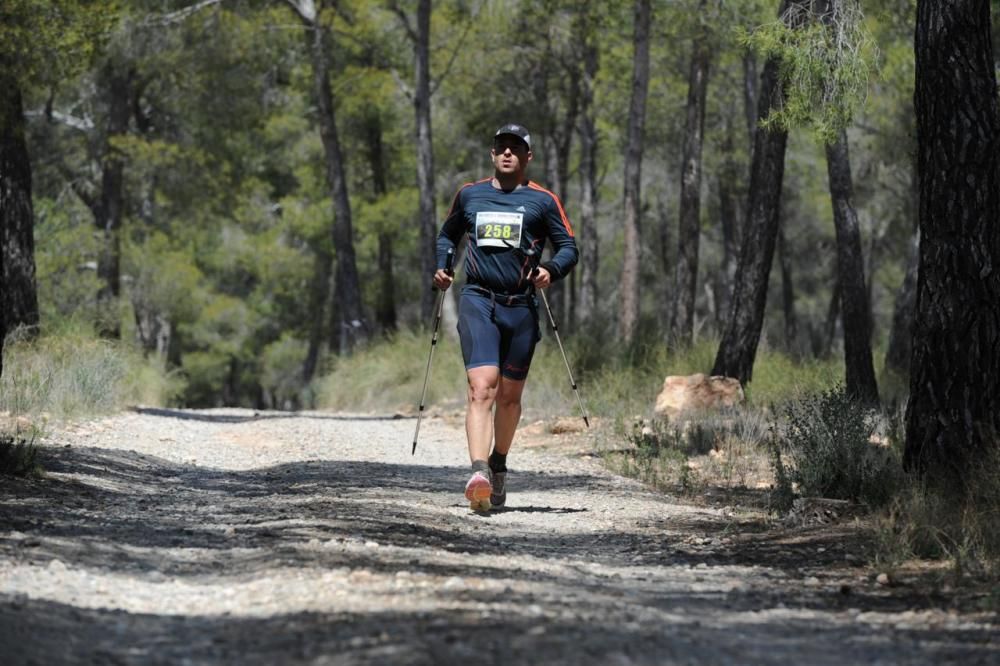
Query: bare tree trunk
{"x": 855, "y": 313}
{"x": 663, "y": 247}
{"x": 689, "y": 227}
{"x": 729, "y": 213}
{"x": 952, "y": 416}
{"x": 897, "y": 356}
{"x": 420, "y": 37}
{"x": 110, "y": 208}
{"x": 738, "y": 348}
{"x": 556, "y": 144}
{"x": 350, "y": 324}
{"x": 629, "y": 285}
{"x": 319, "y": 296}
{"x": 750, "y": 94}
{"x": 385, "y": 310}
{"x": 590, "y": 254}
{"x": 18, "y": 293}
{"x": 732, "y": 206}
{"x": 830, "y": 324}
{"x": 787, "y": 292}
{"x": 425, "y": 152}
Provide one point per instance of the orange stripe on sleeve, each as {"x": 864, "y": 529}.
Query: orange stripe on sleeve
{"x": 562, "y": 213}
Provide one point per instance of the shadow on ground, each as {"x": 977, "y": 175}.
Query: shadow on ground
{"x": 130, "y": 514}
{"x": 41, "y": 632}
{"x": 187, "y": 415}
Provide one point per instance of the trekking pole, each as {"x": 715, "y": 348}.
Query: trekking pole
{"x": 555, "y": 330}
{"x": 448, "y": 261}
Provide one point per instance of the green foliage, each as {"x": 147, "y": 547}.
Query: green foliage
{"x": 65, "y": 262}
{"x": 389, "y": 375}
{"x": 778, "y": 377}
{"x": 925, "y": 522}
{"x": 165, "y": 279}
{"x": 206, "y": 373}
{"x": 281, "y": 371}
{"x": 71, "y": 373}
{"x": 782, "y": 493}
{"x": 46, "y": 41}
{"x": 658, "y": 454}
{"x": 828, "y": 438}
{"x": 611, "y": 383}
{"x": 650, "y": 439}
{"x": 227, "y": 206}
{"x": 825, "y": 66}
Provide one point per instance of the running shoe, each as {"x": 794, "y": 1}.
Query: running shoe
{"x": 499, "y": 495}
{"x": 478, "y": 491}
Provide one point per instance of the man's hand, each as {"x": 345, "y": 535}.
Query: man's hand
{"x": 541, "y": 278}
{"x": 442, "y": 279}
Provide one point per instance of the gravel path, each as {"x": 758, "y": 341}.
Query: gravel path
{"x": 226, "y": 536}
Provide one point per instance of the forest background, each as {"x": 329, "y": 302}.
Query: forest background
{"x": 245, "y": 192}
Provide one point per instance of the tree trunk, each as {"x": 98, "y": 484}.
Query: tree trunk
{"x": 750, "y": 94}
{"x": 787, "y": 292}
{"x": 18, "y": 294}
{"x": 952, "y": 416}
{"x": 724, "y": 277}
{"x": 689, "y": 227}
{"x": 855, "y": 313}
{"x": 351, "y": 326}
{"x": 590, "y": 254}
{"x": 825, "y": 349}
{"x": 738, "y": 348}
{"x": 319, "y": 295}
{"x": 385, "y": 309}
{"x": 110, "y": 208}
{"x": 425, "y": 153}
{"x": 556, "y": 143}
{"x": 897, "y": 356}
{"x": 629, "y": 285}
{"x": 729, "y": 215}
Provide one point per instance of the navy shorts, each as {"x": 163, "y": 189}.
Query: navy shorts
{"x": 497, "y": 332}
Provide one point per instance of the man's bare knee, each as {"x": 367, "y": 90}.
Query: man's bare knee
{"x": 482, "y": 392}
{"x": 506, "y": 401}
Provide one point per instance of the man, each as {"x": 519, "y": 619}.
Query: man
{"x": 507, "y": 219}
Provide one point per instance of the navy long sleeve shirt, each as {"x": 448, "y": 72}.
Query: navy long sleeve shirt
{"x": 498, "y": 223}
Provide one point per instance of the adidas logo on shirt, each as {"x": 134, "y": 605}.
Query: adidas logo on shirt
{"x": 520, "y": 209}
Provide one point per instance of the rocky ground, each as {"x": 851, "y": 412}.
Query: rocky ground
{"x": 226, "y": 536}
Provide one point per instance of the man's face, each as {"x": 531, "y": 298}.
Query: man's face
{"x": 510, "y": 154}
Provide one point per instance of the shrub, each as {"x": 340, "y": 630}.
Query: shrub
{"x": 389, "y": 375}
{"x": 828, "y": 440}
{"x": 658, "y": 454}
{"x": 18, "y": 456}
{"x": 71, "y": 374}
{"x": 926, "y": 521}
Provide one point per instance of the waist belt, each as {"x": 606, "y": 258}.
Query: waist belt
{"x": 499, "y": 297}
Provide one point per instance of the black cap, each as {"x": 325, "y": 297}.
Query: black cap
{"x": 520, "y": 131}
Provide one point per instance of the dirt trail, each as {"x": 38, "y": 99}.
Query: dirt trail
{"x": 221, "y": 536}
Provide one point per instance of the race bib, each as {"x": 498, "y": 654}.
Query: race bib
{"x": 494, "y": 229}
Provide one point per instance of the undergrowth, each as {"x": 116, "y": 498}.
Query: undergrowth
{"x": 798, "y": 433}
{"x": 18, "y": 456}
{"x": 829, "y": 440}
{"x": 73, "y": 373}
